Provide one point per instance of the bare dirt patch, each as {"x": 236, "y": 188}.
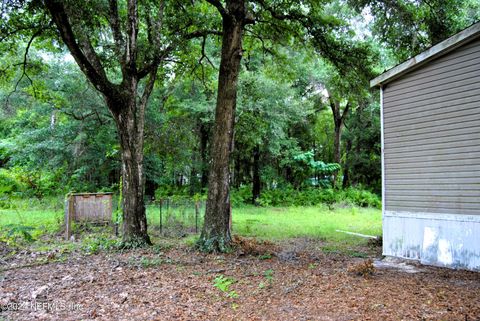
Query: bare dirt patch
{"x": 178, "y": 284}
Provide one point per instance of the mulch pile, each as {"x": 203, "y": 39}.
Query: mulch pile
{"x": 178, "y": 284}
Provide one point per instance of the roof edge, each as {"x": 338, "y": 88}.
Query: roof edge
{"x": 441, "y": 48}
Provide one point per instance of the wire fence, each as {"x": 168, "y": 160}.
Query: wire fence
{"x": 176, "y": 217}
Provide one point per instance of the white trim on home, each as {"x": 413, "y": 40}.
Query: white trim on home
{"x": 382, "y": 155}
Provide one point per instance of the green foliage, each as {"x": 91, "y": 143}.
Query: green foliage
{"x": 306, "y": 167}
{"x": 16, "y": 231}
{"x": 362, "y": 198}
{"x": 8, "y": 183}
{"x": 147, "y": 262}
{"x": 268, "y": 274}
{"x": 94, "y": 245}
{"x": 56, "y": 134}
{"x": 313, "y": 196}
{"x": 223, "y": 284}
{"x": 61, "y": 141}
{"x": 177, "y": 193}
{"x": 241, "y": 195}
{"x": 362, "y": 137}
{"x": 409, "y": 27}
{"x": 265, "y": 256}
{"x": 290, "y": 196}
{"x": 133, "y": 243}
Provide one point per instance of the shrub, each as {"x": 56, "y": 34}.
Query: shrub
{"x": 8, "y": 183}
{"x": 314, "y": 196}
{"x": 242, "y": 195}
{"x": 289, "y": 196}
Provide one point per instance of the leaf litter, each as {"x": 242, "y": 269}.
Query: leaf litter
{"x": 179, "y": 284}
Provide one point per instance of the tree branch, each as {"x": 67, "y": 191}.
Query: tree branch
{"x": 345, "y": 111}
{"x": 157, "y": 26}
{"x": 153, "y": 65}
{"x": 92, "y": 56}
{"x": 144, "y": 99}
{"x": 116, "y": 31}
{"x": 204, "y": 55}
{"x": 261, "y": 39}
{"x": 24, "y": 67}
{"x": 79, "y": 117}
{"x": 132, "y": 33}
{"x": 5, "y": 35}
{"x": 163, "y": 54}
{"x": 60, "y": 18}
{"x": 217, "y": 4}
{"x": 148, "y": 87}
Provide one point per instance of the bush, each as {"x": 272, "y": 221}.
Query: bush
{"x": 289, "y": 196}
{"x": 8, "y": 183}
{"x": 309, "y": 197}
{"x": 242, "y": 195}
{"x": 363, "y": 198}
{"x": 178, "y": 193}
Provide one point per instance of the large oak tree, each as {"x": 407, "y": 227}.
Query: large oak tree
{"x": 119, "y": 46}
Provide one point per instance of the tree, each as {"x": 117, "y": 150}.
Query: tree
{"x": 303, "y": 20}
{"x": 339, "y": 118}
{"x": 362, "y": 146}
{"x": 268, "y": 106}
{"x": 119, "y": 46}
{"x": 61, "y": 139}
{"x": 73, "y": 24}
{"x": 216, "y": 229}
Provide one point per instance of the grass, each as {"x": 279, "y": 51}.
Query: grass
{"x": 269, "y": 223}
{"x": 43, "y": 221}
{"x": 313, "y": 222}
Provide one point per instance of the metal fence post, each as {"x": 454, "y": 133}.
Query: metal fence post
{"x": 160, "y": 206}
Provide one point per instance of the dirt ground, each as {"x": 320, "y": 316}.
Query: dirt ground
{"x": 296, "y": 282}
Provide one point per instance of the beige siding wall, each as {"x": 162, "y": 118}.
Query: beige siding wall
{"x": 432, "y": 136}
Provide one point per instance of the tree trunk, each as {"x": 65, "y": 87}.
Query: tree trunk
{"x": 203, "y": 133}
{"x": 237, "y": 167}
{"x": 336, "y": 146}
{"x": 346, "y": 169}
{"x": 336, "y": 142}
{"x": 193, "y": 174}
{"x": 216, "y": 235}
{"x": 339, "y": 121}
{"x": 130, "y": 125}
{"x": 256, "y": 183}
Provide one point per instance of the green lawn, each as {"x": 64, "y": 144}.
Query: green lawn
{"x": 315, "y": 222}
{"x": 265, "y": 223}
{"x": 42, "y": 220}
{"x": 274, "y": 223}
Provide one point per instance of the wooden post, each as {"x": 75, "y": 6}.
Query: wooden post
{"x": 68, "y": 216}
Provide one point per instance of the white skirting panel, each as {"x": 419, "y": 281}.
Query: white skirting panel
{"x": 449, "y": 240}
